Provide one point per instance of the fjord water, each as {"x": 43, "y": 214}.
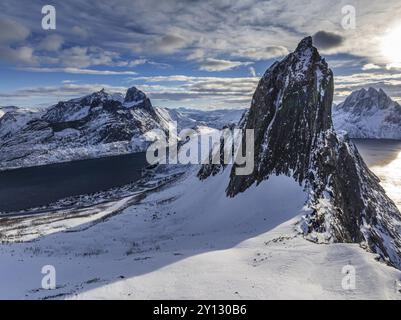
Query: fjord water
{"x": 32, "y": 187}
{"x": 384, "y": 158}
{"x": 37, "y": 186}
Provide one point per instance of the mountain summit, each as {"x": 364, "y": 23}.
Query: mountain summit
{"x": 290, "y": 108}
{"x": 369, "y": 113}
{"x": 294, "y": 136}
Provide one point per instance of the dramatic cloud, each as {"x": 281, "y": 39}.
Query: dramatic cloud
{"x": 221, "y": 65}
{"x": 190, "y": 37}
{"x": 327, "y": 40}
{"x": 263, "y": 53}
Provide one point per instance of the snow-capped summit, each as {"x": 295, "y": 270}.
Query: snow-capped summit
{"x": 369, "y": 113}
{"x": 294, "y": 136}
{"x": 4, "y": 110}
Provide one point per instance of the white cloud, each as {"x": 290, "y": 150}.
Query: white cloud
{"x": 234, "y": 92}
{"x": 51, "y": 43}
{"x": 197, "y": 54}
{"x": 221, "y": 65}
{"x": 80, "y": 32}
{"x": 137, "y": 62}
{"x": 370, "y": 66}
{"x": 79, "y": 71}
{"x": 65, "y": 91}
{"x": 19, "y": 55}
{"x": 161, "y": 44}
{"x": 12, "y": 34}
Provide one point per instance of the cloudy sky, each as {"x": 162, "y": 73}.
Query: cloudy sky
{"x": 204, "y": 54}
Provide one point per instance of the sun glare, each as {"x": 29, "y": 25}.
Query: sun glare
{"x": 391, "y": 46}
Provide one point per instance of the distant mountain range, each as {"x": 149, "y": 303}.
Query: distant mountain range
{"x": 99, "y": 124}
{"x": 217, "y": 119}
{"x": 103, "y": 124}
{"x": 369, "y": 113}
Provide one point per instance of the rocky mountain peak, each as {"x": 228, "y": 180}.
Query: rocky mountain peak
{"x": 133, "y": 94}
{"x": 135, "y": 98}
{"x": 290, "y": 108}
{"x": 366, "y": 102}
{"x": 304, "y": 44}
{"x": 290, "y": 114}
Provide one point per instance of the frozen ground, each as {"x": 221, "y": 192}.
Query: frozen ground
{"x": 188, "y": 241}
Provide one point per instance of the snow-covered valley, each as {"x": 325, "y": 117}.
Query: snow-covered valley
{"x": 174, "y": 243}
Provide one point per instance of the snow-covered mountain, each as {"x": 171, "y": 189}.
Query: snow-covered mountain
{"x": 4, "y": 110}
{"x": 96, "y": 125}
{"x": 294, "y": 136}
{"x": 369, "y": 114}
{"x": 217, "y": 119}
{"x": 100, "y": 124}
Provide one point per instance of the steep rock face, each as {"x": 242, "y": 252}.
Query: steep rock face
{"x": 348, "y": 204}
{"x": 369, "y": 114}
{"x": 290, "y": 107}
{"x": 95, "y": 125}
{"x": 291, "y": 117}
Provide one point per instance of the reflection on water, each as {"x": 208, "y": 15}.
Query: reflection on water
{"x": 384, "y": 158}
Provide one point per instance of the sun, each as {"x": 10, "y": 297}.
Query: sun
{"x": 391, "y": 46}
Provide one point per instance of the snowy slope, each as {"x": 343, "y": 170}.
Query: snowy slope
{"x": 191, "y": 246}
{"x": 369, "y": 114}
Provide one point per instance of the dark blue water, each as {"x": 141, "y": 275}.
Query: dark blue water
{"x": 33, "y": 187}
